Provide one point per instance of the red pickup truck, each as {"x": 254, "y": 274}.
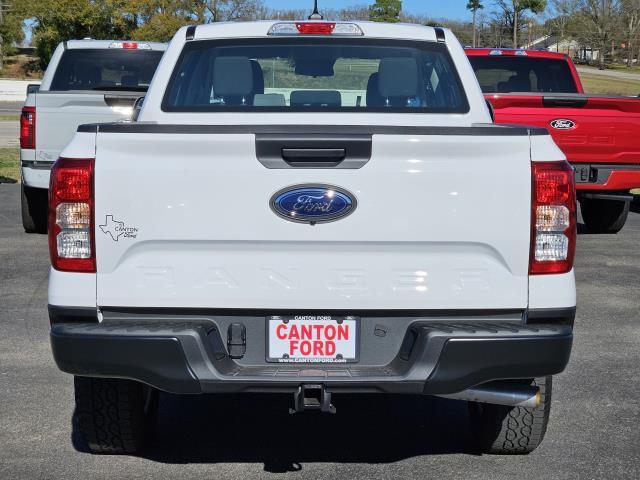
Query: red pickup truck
{"x": 600, "y": 135}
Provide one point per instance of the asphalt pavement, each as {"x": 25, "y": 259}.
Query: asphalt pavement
{"x": 594, "y": 431}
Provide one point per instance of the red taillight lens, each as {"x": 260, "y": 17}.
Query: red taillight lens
{"x": 71, "y": 215}
{"x": 130, "y": 45}
{"x": 553, "y": 224}
{"x": 315, "y": 28}
{"x": 28, "y": 128}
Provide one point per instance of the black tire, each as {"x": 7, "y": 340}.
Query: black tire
{"x": 113, "y": 416}
{"x": 604, "y": 216}
{"x": 34, "y": 205}
{"x": 511, "y": 430}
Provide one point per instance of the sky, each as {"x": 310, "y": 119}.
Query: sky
{"x": 453, "y": 9}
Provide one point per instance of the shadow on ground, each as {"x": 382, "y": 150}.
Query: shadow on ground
{"x": 258, "y": 429}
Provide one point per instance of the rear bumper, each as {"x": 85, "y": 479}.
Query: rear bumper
{"x": 36, "y": 174}
{"x": 432, "y": 356}
{"x": 606, "y": 177}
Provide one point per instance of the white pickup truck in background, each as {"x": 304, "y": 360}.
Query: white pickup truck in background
{"x": 86, "y": 81}
{"x": 318, "y": 208}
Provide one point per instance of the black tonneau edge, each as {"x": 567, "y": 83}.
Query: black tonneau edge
{"x": 477, "y": 130}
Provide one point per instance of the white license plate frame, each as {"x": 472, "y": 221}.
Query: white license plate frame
{"x": 349, "y": 351}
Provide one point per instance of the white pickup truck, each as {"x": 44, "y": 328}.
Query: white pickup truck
{"x": 319, "y": 208}
{"x": 86, "y": 81}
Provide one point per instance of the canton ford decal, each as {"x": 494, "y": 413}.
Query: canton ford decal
{"x": 116, "y": 229}
{"x": 563, "y": 124}
{"x": 313, "y": 203}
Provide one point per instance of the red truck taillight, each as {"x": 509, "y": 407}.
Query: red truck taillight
{"x": 553, "y": 224}
{"x": 71, "y": 218}
{"x": 28, "y": 128}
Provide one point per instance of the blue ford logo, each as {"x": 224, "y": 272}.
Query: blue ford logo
{"x": 313, "y": 203}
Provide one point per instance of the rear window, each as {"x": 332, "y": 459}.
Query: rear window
{"x": 497, "y": 74}
{"x": 106, "y": 69}
{"x": 314, "y": 74}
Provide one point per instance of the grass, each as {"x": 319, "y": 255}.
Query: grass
{"x": 9, "y": 165}
{"x": 610, "y": 86}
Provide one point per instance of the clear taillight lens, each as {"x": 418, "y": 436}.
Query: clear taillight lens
{"x": 553, "y": 239}
{"x": 71, "y": 219}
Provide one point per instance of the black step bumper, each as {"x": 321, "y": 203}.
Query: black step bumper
{"x": 182, "y": 355}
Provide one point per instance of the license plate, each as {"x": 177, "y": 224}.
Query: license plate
{"x": 312, "y": 339}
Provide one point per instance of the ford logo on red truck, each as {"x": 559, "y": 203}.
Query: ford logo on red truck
{"x": 563, "y": 124}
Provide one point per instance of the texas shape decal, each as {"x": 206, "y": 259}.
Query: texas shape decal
{"x": 117, "y": 229}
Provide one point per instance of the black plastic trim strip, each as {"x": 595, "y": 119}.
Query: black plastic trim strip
{"x": 191, "y": 32}
{"x": 560, "y": 316}
{"x": 565, "y": 100}
{"x": 440, "y": 37}
{"x": 476, "y": 130}
{"x": 62, "y": 314}
{"x": 247, "y": 312}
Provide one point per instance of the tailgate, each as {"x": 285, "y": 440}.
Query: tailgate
{"x": 60, "y": 113}
{"x": 587, "y": 128}
{"x": 184, "y": 220}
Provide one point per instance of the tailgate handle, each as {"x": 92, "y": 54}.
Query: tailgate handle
{"x": 314, "y": 150}
{"x": 307, "y": 157}
{"x": 569, "y": 101}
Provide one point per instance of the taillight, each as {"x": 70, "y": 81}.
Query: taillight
{"x": 553, "y": 228}
{"x": 315, "y": 28}
{"x": 28, "y": 128}
{"x": 71, "y": 217}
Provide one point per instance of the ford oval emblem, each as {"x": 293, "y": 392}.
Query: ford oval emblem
{"x": 313, "y": 203}
{"x": 563, "y": 124}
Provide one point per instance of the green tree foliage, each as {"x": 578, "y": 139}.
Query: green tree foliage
{"x": 10, "y": 26}
{"x": 59, "y": 20}
{"x": 155, "y": 20}
{"x": 386, "y": 11}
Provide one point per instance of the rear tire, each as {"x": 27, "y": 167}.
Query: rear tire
{"x": 34, "y": 207}
{"x": 503, "y": 430}
{"x": 604, "y": 216}
{"x": 113, "y": 416}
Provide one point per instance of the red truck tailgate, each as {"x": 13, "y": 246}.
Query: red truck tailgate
{"x": 597, "y": 129}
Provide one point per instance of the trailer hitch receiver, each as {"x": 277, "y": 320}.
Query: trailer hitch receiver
{"x": 312, "y": 397}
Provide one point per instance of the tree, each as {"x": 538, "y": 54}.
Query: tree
{"x": 631, "y": 18}
{"x": 386, "y": 11}
{"x": 600, "y": 17}
{"x": 55, "y": 21}
{"x": 474, "y": 6}
{"x": 562, "y": 12}
{"x": 514, "y": 11}
{"x": 10, "y": 29}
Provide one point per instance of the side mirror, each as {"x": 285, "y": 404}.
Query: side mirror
{"x": 33, "y": 88}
